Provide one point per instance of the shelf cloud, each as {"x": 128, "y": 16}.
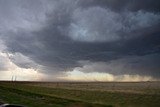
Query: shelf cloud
{"x": 59, "y": 36}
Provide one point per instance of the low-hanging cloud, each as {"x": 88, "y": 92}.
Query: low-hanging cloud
{"x": 129, "y": 65}
{"x": 22, "y": 61}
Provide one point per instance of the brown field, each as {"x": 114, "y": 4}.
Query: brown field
{"x": 81, "y": 94}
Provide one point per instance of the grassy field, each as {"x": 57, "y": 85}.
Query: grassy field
{"x": 81, "y": 94}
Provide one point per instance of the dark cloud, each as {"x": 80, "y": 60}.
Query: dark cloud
{"x": 116, "y": 5}
{"x": 108, "y": 26}
{"x": 65, "y": 33}
{"x": 22, "y": 61}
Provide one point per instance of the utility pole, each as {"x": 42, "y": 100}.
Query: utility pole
{"x": 12, "y": 78}
{"x": 15, "y": 78}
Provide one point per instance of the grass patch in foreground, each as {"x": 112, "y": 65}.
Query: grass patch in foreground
{"x": 30, "y": 99}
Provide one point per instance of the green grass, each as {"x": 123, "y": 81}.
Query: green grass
{"x": 32, "y": 95}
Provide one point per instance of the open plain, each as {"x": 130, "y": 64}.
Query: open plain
{"x": 81, "y": 94}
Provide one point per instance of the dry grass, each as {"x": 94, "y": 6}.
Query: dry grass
{"x": 84, "y": 94}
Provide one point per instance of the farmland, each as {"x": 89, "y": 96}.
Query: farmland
{"x": 81, "y": 94}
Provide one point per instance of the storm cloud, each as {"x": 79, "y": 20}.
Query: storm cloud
{"x": 55, "y": 36}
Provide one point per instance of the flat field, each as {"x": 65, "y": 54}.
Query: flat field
{"x": 81, "y": 94}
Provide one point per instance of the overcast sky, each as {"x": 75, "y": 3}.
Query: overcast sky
{"x": 87, "y": 40}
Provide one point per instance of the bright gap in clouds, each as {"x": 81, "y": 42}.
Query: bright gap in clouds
{"x": 13, "y": 72}
{"x": 20, "y": 74}
{"x": 102, "y": 77}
